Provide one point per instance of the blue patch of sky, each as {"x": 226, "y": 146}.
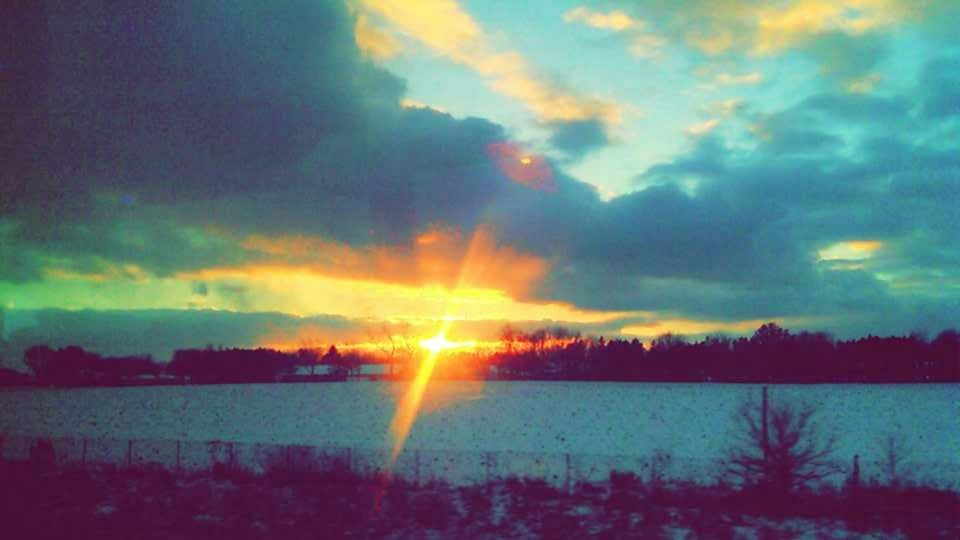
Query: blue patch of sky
{"x": 596, "y": 63}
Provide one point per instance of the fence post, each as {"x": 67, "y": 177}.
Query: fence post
{"x": 129, "y": 453}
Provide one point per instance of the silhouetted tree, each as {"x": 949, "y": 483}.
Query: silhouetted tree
{"x": 309, "y": 358}
{"x": 790, "y": 453}
{"x": 39, "y": 358}
{"x": 508, "y": 336}
{"x": 67, "y": 366}
{"x": 945, "y": 356}
{"x": 343, "y": 364}
{"x": 770, "y": 335}
{"x": 397, "y": 346}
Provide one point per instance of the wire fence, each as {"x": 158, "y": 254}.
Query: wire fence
{"x": 419, "y": 466}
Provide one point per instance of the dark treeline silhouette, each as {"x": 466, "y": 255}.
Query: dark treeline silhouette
{"x": 261, "y": 365}
{"x": 10, "y": 377}
{"x": 231, "y": 365}
{"x": 72, "y": 366}
{"x": 772, "y": 354}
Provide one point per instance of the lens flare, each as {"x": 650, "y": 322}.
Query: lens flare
{"x": 437, "y": 343}
{"x": 434, "y": 347}
{"x": 527, "y": 169}
{"x": 410, "y": 403}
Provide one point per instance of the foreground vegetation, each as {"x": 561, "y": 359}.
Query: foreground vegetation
{"x": 772, "y": 483}
{"x": 37, "y": 501}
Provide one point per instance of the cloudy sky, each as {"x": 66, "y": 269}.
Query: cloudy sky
{"x": 303, "y": 172}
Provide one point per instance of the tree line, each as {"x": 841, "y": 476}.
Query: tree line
{"x": 772, "y": 354}
{"x": 74, "y": 366}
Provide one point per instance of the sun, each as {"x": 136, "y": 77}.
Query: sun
{"x": 438, "y": 343}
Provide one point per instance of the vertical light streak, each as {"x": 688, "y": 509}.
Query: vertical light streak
{"x": 409, "y": 405}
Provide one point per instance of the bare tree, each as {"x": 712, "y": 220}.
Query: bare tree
{"x": 893, "y": 459}
{"x": 395, "y": 344}
{"x": 779, "y": 447}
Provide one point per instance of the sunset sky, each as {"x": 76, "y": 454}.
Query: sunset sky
{"x": 306, "y": 172}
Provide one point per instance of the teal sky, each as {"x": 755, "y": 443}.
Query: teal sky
{"x": 668, "y": 89}
{"x": 622, "y": 167}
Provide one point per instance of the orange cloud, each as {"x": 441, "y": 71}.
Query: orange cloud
{"x": 449, "y": 30}
{"x": 617, "y": 21}
{"x": 852, "y": 250}
{"x": 782, "y": 26}
{"x": 698, "y": 327}
{"x": 373, "y": 41}
{"x": 642, "y": 44}
{"x": 702, "y": 128}
{"x": 408, "y": 103}
{"x": 762, "y": 28}
{"x": 864, "y": 84}
{"x": 300, "y": 291}
{"x": 437, "y": 256}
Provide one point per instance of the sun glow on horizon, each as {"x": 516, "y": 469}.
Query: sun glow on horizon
{"x": 439, "y": 343}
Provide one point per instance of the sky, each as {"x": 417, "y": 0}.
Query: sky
{"x": 306, "y": 172}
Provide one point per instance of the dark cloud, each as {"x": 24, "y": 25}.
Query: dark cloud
{"x": 864, "y": 108}
{"x": 793, "y": 138}
{"x": 941, "y": 82}
{"x": 185, "y": 100}
{"x": 151, "y": 125}
{"x": 577, "y": 139}
{"x": 742, "y": 243}
{"x": 160, "y": 332}
{"x": 162, "y": 135}
{"x": 661, "y": 231}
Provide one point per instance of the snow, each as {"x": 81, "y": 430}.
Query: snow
{"x": 609, "y": 422}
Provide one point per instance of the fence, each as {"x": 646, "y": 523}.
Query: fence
{"x": 415, "y": 465}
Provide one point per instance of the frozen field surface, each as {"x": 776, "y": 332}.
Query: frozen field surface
{"x": 689, "y": 421}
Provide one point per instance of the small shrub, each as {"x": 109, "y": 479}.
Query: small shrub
{"x": 624, "y": 493}
{"x": 478, "y": 505}
{"x": 432, "y": 510}
{"x": 232, "y": 473}
{"x": 42, "y": 454}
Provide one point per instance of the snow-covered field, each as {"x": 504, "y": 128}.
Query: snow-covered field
{"x": 689, "y": 421}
